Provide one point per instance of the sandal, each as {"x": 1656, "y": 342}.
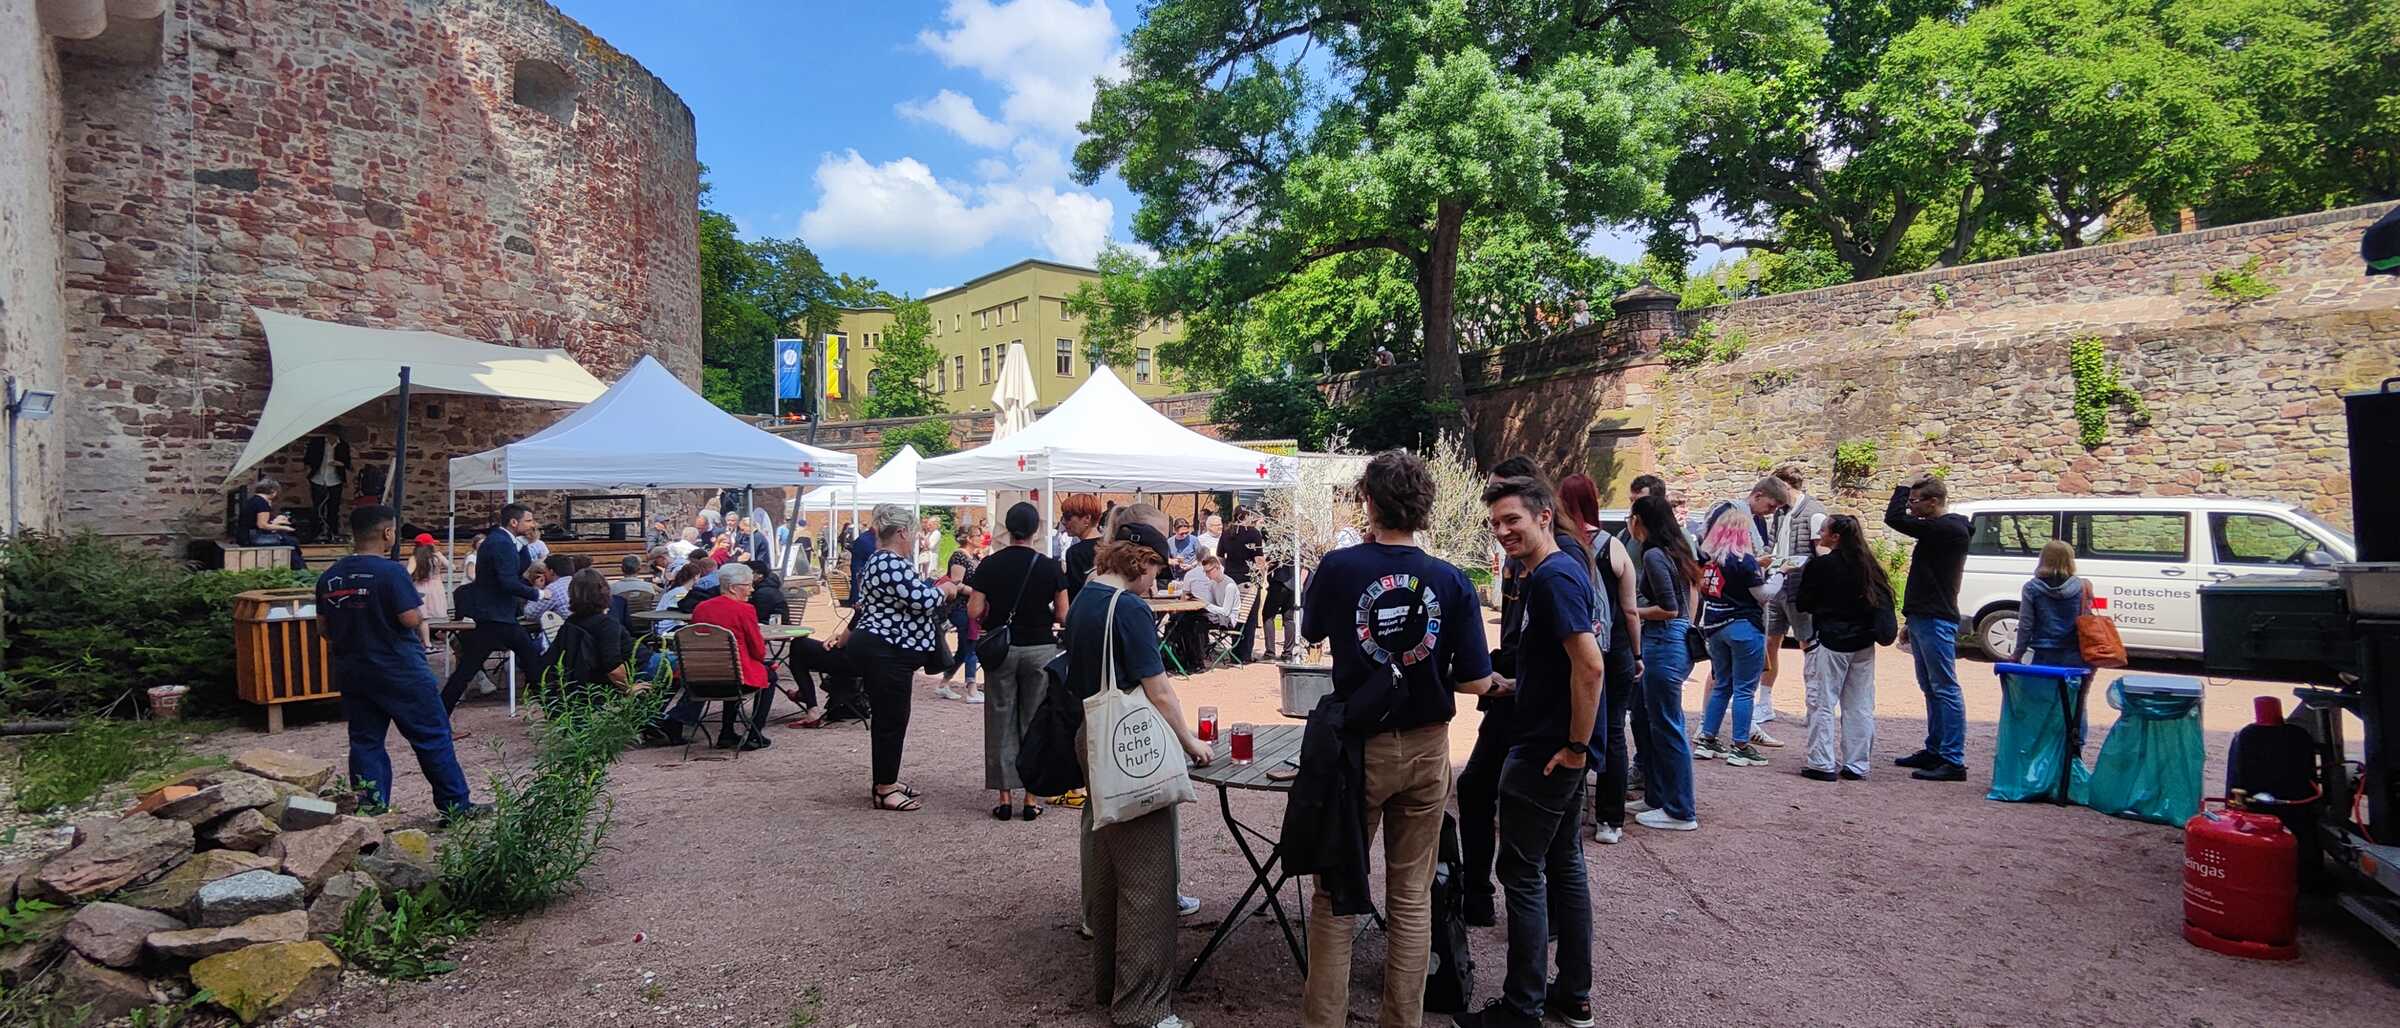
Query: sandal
{"x": 1031, "y": 811}
{"x": 1003, "y": 812}
{"x": 895, "y": 801}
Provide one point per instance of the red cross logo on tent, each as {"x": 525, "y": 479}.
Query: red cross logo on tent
{"x": 1020, "y": 462}
{"x": 808, "y": 467}
{"x": 1262, "y": 469}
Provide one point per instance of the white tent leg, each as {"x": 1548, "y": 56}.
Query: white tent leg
{"x": 1298, "y": 626}
{"x": 512, "y": 654}
{"x": 1050, "y": 512}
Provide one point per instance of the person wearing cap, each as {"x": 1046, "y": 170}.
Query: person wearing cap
{"x": 1026, "y": 590}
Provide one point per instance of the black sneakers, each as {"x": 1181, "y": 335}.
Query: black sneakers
{"x": 1575, "y": 1015}
{"x": 1920, "y": 760}
{"x": 1497, "y": 1014}
{"x": 1852, "y": 776}
{"x": 1815, "y": 775}
{"x": 1942, "y": 772}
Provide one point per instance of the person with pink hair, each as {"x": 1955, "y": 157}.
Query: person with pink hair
{"x": 1733, "y": 619}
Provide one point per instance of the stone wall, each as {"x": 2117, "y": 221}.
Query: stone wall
{"x": 32, "y": 323}
{"x": 1964, "y": 371}
{"x": 484, "y": 168}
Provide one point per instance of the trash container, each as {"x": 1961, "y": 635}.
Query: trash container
{"x": 2149, "y": 769}
{"x": 2039, "y": 755}
{"x": 278, "y": 655}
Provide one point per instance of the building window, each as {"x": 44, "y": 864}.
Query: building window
{"x": 1066, "y": 358}
{"x": 545, "y": 87}
{"x": 941, "y": 377}
{"x": 958, "y": 371}
{"x": 1141, "y": 366}
{"x": 1013, "y": 310}
{"x": 958, "y": 322}
{"x": 979, "y": 322}
{"x": 987, "y": 365}
{"x": 1063, "y": 313}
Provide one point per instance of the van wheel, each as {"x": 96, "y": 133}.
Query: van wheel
{"x": 1996, "y": 634}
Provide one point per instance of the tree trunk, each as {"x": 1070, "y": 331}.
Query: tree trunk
{"x": 1437, "y": 298}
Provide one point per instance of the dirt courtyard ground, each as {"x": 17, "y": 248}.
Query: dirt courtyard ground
{"x": 765, "y": 892}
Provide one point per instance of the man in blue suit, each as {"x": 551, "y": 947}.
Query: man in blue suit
{"x": 493, "y": 600}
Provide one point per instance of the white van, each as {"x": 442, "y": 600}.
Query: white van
{"x": 2146, "y": 559}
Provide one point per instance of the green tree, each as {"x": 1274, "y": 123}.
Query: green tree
{"x": 2324, "y": 79}
{"x": 1278, "y": 405}
{"x": 1264, "y": 136}
{"x": 2083, "y": 102}
{"x": 931, "y": 437}
{"x": 901, "y": 383}
{"x": 751, "y": 293}
{"x": 1115, "y": 309}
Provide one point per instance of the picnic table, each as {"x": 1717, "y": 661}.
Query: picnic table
{"x": 651, "y": 618}
{"x": 1271, "y": 746}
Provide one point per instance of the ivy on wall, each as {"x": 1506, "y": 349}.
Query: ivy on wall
{"x": 2097, "y": 390}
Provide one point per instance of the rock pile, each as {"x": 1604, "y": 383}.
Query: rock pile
{"x": 229, "y": 879}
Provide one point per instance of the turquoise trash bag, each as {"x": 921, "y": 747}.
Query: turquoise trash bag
{"x": 2150, "y": 767}
{"x": 2038, "y": 755}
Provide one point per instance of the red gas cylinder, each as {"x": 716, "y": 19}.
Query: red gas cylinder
{"x": 2240, "y": 885}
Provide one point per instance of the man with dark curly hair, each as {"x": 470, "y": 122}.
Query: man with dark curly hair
{"x": 1406, "y": 631}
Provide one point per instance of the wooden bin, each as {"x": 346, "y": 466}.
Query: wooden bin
{"x": 278, "y": 655}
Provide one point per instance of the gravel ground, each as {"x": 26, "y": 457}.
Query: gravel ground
{"x": 765, "y": 892}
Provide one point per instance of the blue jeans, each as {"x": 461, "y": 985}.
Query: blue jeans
{"x": 964, "y": 649}
{"x": 1666, "y": 751}
{"x": 1934, "y": 644}
{"x": 374, "y": 705}
{"x": 1541, "y": 868}
{"x": 1737, "y": 654}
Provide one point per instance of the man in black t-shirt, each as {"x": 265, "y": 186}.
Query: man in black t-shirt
{"x": 1542, "y": 780}
{"x": 1244, "y": 547}
{"x": 369, "y": 610}
{"x": 1406, "y": 630}
{"x": 1921, "y": 511}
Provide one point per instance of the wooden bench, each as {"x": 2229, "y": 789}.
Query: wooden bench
{"x": 249, "y": 558}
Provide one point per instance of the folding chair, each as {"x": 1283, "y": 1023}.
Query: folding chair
{"x": 709, "y": 671}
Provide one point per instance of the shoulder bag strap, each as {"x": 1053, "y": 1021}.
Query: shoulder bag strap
{"x": 1024, "y": 582}
{"x": 1108, "y": 643}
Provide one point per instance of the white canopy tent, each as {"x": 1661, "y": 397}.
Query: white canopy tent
{"x": 893, "y": 482}
{"x": 648, "y": 431}
{"x": 324, "y": 370}
{"x": 1105, "y": 439}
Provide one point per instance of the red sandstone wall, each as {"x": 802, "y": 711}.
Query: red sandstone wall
{"x": 360, "y": 161}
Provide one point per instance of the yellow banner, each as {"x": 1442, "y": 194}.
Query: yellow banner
{"x": 833, "y": 366}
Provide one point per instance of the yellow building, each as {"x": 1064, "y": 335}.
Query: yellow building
{"x": 973, "y": 325}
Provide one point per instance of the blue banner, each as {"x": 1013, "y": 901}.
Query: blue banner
{"x": 791, "y": 358}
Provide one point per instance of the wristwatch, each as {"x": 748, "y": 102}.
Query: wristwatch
{"x": 1580, "y": 749}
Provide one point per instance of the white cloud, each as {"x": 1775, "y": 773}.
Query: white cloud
{"x": 1043, "y": 57}
{"x": 958, "y": 114}
{"x": 900, "y": 206}
{"x": 1043, "y": 54}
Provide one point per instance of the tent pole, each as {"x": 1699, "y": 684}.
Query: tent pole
{"x": 512, "y": 654}
{"x": 395, "y": 481}
{"x": 1050, "y": 508}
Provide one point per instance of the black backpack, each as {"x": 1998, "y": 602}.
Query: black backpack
{"x": 1450, "y": 972}
{"x": 1047, "y": 763}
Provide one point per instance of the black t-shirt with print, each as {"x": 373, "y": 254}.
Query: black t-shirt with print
{"x": 1387, "y": 608}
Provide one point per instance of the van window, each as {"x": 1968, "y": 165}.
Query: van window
{"x": 2110, "y": 535}
{"x": 2011, "y": 535}
{"x": 2259, "y": 539}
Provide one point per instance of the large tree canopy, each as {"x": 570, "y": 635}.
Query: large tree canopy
{"x": 1263, "y": 137}
{"x": 751, "y": 293}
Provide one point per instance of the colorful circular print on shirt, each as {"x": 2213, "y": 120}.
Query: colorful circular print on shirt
{"x": 1399, "y": 620}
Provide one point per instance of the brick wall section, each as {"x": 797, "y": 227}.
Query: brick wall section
{"x": 1965, "y": 369}
{"x": 32, "y": 321}
{"x": 360, "y": 161}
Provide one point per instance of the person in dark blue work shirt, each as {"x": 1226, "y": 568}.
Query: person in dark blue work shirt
{"x": 494, "y": 600}
{"x": 861, "y": 548}
{"x": 368, "y": 610}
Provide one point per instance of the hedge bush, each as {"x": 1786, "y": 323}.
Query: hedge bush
{"x": 89, "y": 620}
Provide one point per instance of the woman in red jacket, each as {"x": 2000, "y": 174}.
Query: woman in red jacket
{"x": 731, "y": 610}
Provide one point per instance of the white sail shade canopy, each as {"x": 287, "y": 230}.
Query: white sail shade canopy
{"x": 894, "y": 482}
{"x": 324, "y": 370}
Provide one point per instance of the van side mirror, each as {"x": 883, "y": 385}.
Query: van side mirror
{"x": 2317, "y": 558}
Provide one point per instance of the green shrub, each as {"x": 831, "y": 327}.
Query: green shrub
{"x": 2242, "y": 284}
{"x": 71, "y": 767}
{"x": 931, "y": 437}
{"x": 1853, "y": 461}
{"x": 546, "y": 825}
{"x": 1278, "y": 405}
{"x": 90, "y": 620}
{"x": 2097, "y": 390}
{"x": 1894, "y": 558}
{"x": 410, "y": 941}
{"x": 1706, "y": 343}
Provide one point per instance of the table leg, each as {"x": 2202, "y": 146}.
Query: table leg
{"x": 1259, "y": 881}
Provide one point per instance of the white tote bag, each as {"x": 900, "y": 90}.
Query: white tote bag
{"x": 1133, "y": 764}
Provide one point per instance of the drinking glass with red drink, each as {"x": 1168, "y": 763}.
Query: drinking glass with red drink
{"x": 1240, "y": 744}
{"x": 1208, "y": 724}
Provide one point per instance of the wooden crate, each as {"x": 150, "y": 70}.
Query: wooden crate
{"x": 279, "y": 656}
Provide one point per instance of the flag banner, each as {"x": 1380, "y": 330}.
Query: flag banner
{"x": 791, "y": 378}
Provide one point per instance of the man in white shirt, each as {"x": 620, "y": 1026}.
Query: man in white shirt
{"x": 1208, "y": 540}
{"x": 1208, "y": 584}
{"x": 680, "y": 551}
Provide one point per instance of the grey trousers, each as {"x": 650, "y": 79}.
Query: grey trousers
{"x": 1011, "y": 693}
{"x": 1129, "y": 877}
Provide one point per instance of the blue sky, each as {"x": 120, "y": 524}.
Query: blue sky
{"x": 917, "y": 142}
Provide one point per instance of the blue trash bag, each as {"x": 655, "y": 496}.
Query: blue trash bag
{"x": 2149, "y": 769}
{"x": 2037, "y": 757}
